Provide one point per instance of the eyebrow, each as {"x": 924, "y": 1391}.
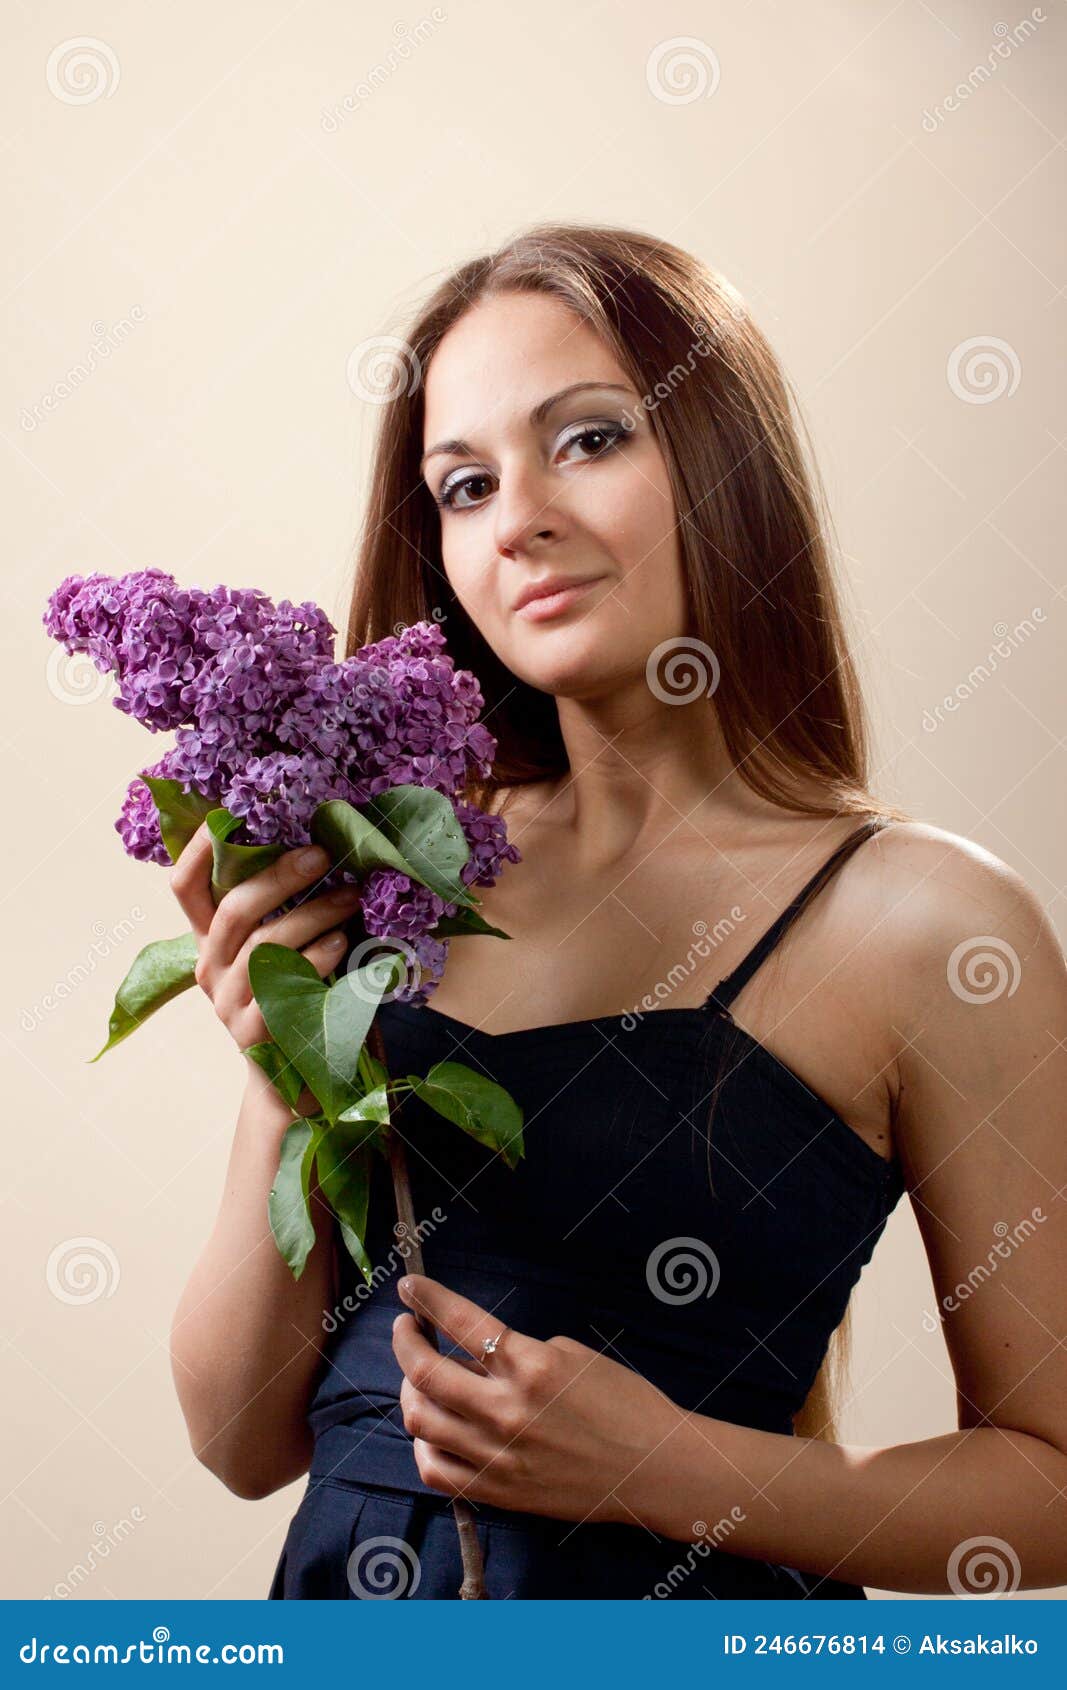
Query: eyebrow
{"x": 460, "y": 448}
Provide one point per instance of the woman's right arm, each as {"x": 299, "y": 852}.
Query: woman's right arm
{"x": 246, "y": 1340}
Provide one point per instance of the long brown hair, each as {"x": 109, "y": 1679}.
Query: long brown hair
{"x": 752, "y": 523}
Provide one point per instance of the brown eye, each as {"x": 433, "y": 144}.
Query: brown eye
{"x": 447, "y": 496}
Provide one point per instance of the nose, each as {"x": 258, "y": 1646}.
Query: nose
{"x": 524, "y": 515}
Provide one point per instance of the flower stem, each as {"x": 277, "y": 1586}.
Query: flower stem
{"x": 407, "y": 1237}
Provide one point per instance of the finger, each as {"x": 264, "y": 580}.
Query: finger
{"x": 466, "y": 1323}
{"x": 443, "y": 1427}
{"x": 234, "y": 994}
{"x": 326, "y": 953}
{"x": 190, "y": 881}
{"x": 311, "y": 920}
{"x": 448, "y": 1473}
{"x": 437, "y": 1376}
{"x": 242, "y": 909}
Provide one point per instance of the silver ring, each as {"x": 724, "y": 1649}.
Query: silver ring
{"x": 491, "y": 1344}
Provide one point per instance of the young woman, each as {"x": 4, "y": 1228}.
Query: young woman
{"x": 745, "y": 1005}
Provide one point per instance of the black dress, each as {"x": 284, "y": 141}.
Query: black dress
{"x": 715, "y": 1263}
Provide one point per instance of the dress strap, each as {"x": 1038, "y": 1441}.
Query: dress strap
{"x": 724, "y": 993}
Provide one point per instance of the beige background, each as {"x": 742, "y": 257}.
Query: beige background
{"x": 192, "y": 211}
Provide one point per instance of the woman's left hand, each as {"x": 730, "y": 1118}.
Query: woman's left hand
{"x": 551, "y": 1428}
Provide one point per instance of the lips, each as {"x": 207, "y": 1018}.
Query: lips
{"x": 547, "y": 589}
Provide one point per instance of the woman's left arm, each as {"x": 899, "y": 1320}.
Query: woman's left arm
{"x": 979, "y": 1006}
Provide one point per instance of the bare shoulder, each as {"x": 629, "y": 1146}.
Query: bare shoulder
{"x": 939, "y": 887}
{"x": 961, "y": 927}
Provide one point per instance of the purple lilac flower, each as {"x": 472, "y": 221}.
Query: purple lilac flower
{"x": 218, "y": 659}
{"x": 394, "y": 906}
{"x": 138, "y": 823}
{"x": 269, "y": 725}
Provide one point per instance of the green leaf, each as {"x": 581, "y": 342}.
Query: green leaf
{"x": 378, "y": 1072}
{"x": 321, "y": 1029}
{"x": 180, "y": 812}
{"x": 343, "y": 1164}
{"x": 477, "y": 1104}
{"x": 466, "y": 921}
{"x": 409, "y": 828}
{"x": 372, "y": 1113}
{"x": 159, "y": 972}
{"x": 423, "y": 825}
{"x": 281, "y": 1073}
{"x": 234, "y": 863}
{"x": 289, "y": 1204}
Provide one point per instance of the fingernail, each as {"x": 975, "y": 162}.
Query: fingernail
{"x": 311, "y": 859}
{"x": 405, "y": 1287}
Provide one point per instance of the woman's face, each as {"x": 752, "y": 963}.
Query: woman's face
{"x": 535, "y": 491}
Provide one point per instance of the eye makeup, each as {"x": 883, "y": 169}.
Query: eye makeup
{"x": 613, "y": 433}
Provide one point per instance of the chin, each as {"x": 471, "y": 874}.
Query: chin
{"x": 569, "y": 671}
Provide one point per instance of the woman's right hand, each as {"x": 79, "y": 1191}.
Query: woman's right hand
{"x": 227, "y": 933}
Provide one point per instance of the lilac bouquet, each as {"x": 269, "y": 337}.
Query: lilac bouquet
{"x": 275, "y": 745}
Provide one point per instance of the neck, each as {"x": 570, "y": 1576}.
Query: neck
{"x": 642, "y": 771}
